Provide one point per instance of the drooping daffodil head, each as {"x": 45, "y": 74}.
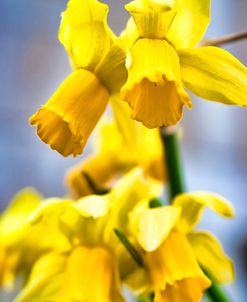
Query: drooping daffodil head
{"x": 175, "y": 257}
{"x": 92, "y": 269}
{"x": 162, "y": 61}
{"x": 66, "y": 121}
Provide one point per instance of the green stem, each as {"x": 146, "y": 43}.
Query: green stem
{"x": 173, "y": 161}
{"x": 215, "y": 293}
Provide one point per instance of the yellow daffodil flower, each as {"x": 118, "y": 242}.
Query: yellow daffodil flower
{"x": 13, "y": 232}
{"x": 19, "y": 247}
{"x": 174, "y": 256}
{"x": 68, "y": 118}
{"x": 131, "y": 145}
{"x": 162, "y": 61}
{"x": 206, "y": 247}
{"x": 96, "y": 262}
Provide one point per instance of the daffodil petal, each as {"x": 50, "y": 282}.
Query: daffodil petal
{"x": 139, "y": 281}
{"x": 127, "y": 192}
{"x": 192, "y": 205}
{"x": 175, "y": 271}
{"x": 92, "y": 276}
{"x": 130, "y": 34}
{"x": 152, "y": 226}
{"x": 190, "y": 23}
{"x": 214, "y": 74}
{"x": 84, "y": 33}
{"x": 49, "y": 209}
{"x": 92, "y": 206}
{"x": 153, "y": 18}
{"x": 211, "y": 257}
{"x": 112, "y": 71}
{"x": 92, "y": 175}
{"x": 14, "y": 219}
{"x": 48, "y": 267}
{"x": 70, "y": 115}
{"x": 154, "y": 89}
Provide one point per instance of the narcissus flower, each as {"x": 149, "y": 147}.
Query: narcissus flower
{"x": 92, "y": 268}
{"x": 163, "y": 60}
{"x": 19, "y": 247}
{"x": 68, "y": 118}
{"x": 131, "y": 144}
{"x": 174, "y": 256}
{"x": 14, "y": 233}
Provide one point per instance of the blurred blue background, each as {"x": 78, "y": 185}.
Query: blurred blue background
{"x": 33, "y": 64}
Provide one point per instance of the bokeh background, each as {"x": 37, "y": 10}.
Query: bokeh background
{"x": 33, "y": 64}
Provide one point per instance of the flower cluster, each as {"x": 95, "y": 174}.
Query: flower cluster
{"x": 148, "y": 66}
{"x": 112, "y": 230}
{"x": 67, "y": 250}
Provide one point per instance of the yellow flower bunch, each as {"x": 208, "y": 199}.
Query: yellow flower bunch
{"x": 19, "y": 247}
{"x": 162, "y": 60}
{"x": 112, "y": 235}
{"x": 92, "y": 264}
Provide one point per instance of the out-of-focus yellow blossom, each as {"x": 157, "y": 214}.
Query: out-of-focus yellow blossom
{"x": 131, "y": 144}
{"x": 91, "y": 270}
{"x": 206, "y": 247}
{"x": 174, "y": 256}
{"x": 68, "y": 118}
{"x": 161, "y": 37}
{"x": 19, "y": 246}
{"x": 13, "y": 236}
{"x": 21, "y": 243}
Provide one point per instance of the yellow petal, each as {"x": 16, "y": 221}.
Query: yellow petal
{"x": 70, "y": 115}
{"x": 84, "y": 33}
{"x": 92, "y": 175}
{"x": 139, "y": 281}
{"x": 92, "y": 276}
{"x": 152, "y": 226}
{"x": 175, "y": 272}
{"x": 45, "y": 280}
{"x": 211, "y": 257}
{"x": 130, "y": 34}
{"x": 92, "y": 206}
{"x": 152, "y": 17}
{"x": 128, "y": 191}
{"x": 154, "y": 89}
{"x": 187, "y": 290}
{"x": 214, "y": 74}
{"x": 193, "y": 204}
{"x": 13, "y": 222}
{"x": 111, "y": 70}
{"x": 190, "y": 23}
{"x": 49, "y": 208}
{"x": 143, "y": 145}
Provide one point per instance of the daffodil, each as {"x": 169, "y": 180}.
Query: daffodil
{"x": 91, "y": 270}
{"x": 66, "y": 121}
{"x": 13, "y": 232}
{"x": 131, "y": 144}
{"x": 163, "y": 60}
{"x": 19, "y": 247}
{"x": 174, "y": 256}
